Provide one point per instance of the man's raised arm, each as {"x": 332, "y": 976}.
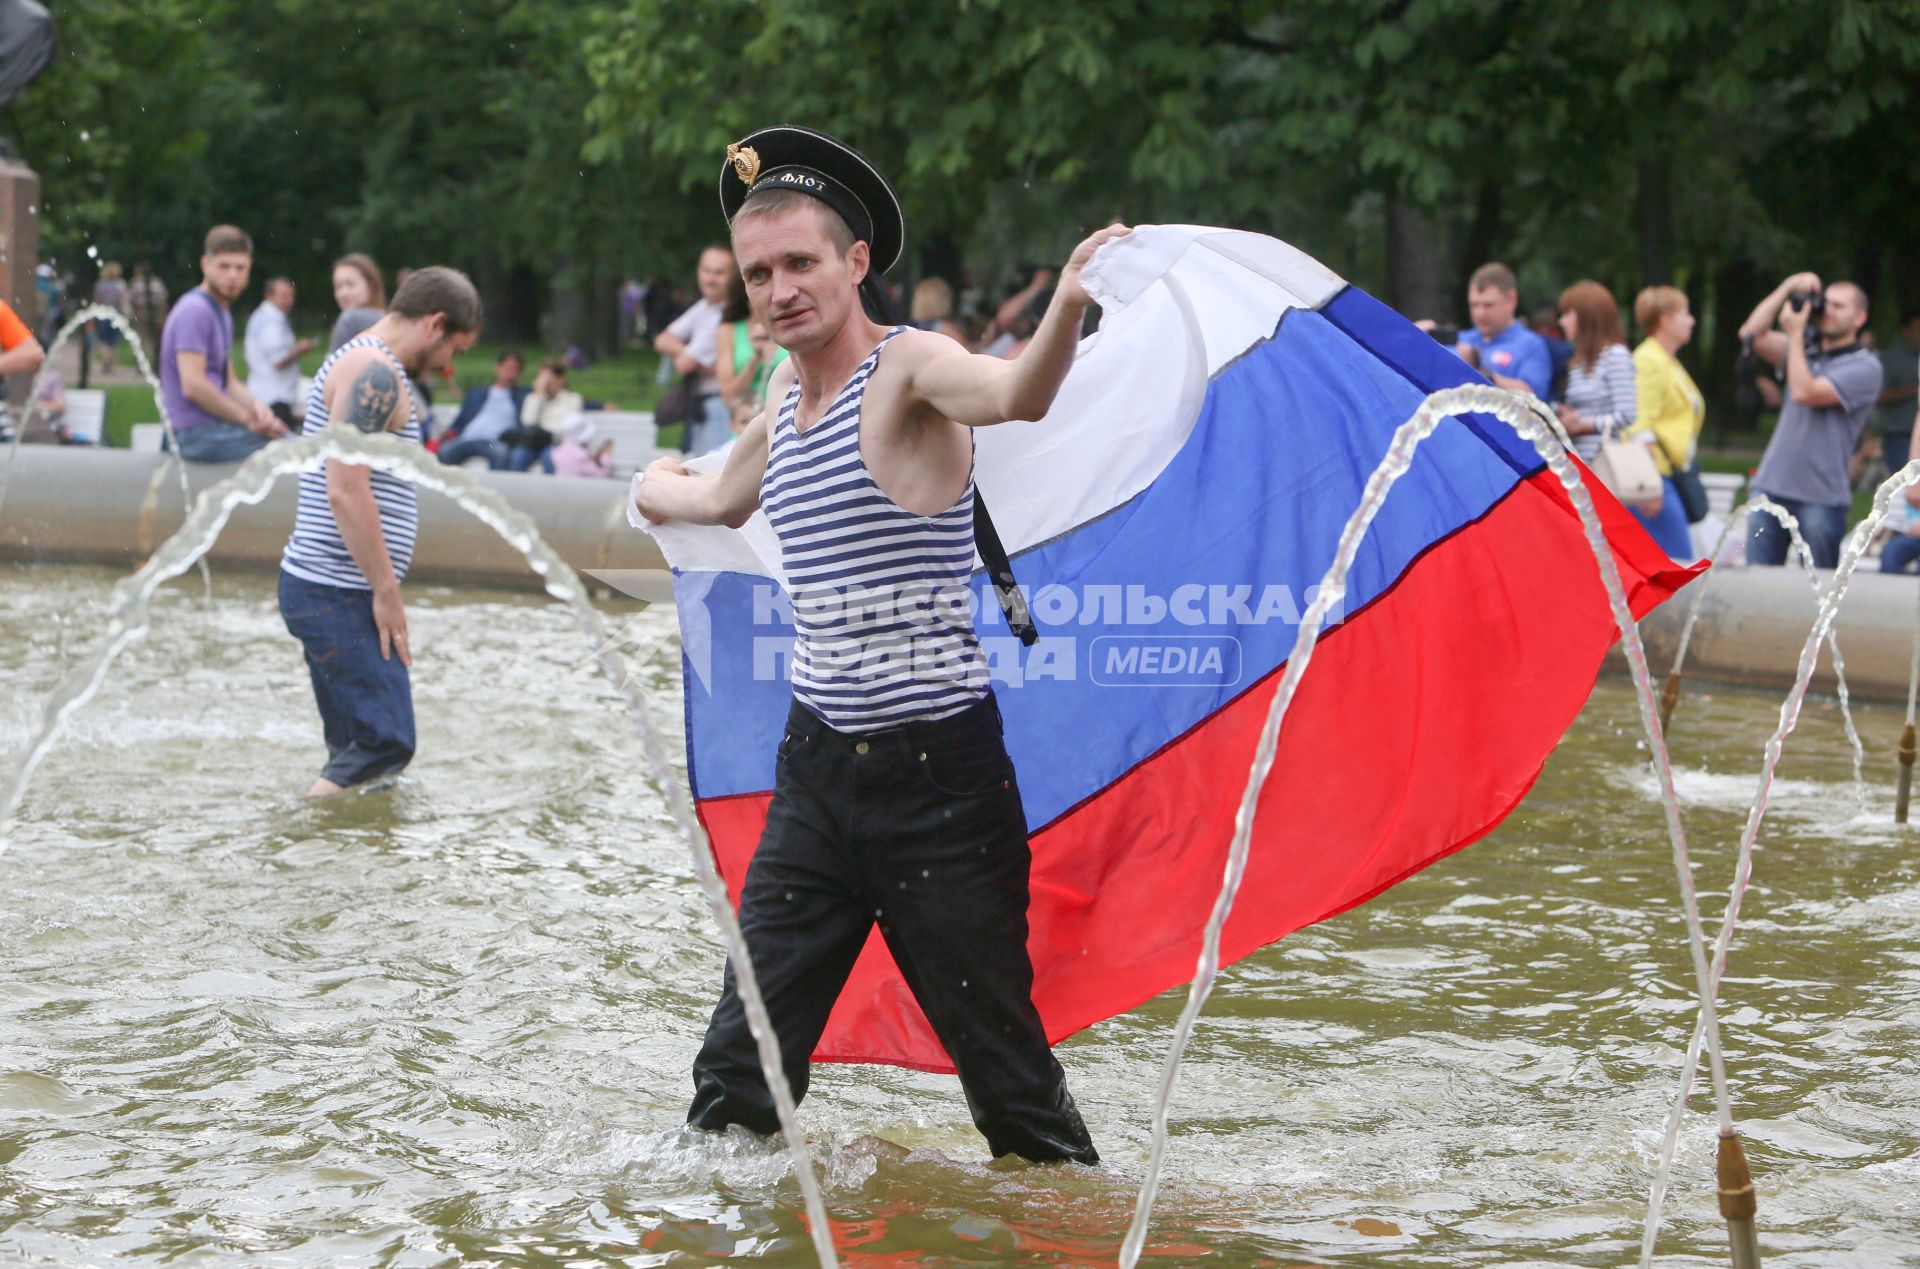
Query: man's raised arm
{"x": 1769, "y": 344}
{"x": 980, "y": 391}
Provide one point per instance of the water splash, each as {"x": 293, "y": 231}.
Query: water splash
{"x": 128, "y": 618}
{"x": 1836, "y": 591}
{"x": 1530, "y": 420}
{"x": 1736, "y": 520}
{"x": 113, "y": 317}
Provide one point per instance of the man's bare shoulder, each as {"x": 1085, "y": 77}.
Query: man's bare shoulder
{"x": 350, "y": 360}
{"x": 780, "y": 381}
{"x": 915, "y": 348}
{"x": 364, "y": 390}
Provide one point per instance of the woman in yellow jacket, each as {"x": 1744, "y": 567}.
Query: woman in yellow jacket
{"x": 1670, "y": 408}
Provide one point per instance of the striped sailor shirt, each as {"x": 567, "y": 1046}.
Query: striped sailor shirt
{"x": 316, "y": 552}
{"x": 881, "y": 598}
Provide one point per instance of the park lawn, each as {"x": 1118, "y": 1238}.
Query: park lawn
{"x": 127, "y": 404}
{"x": 1736, "y": 462}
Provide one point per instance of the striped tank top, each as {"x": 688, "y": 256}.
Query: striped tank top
{"x": 880, "y": 595}
{"x": 316, "y": 552}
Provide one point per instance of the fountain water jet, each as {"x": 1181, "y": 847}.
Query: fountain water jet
{"x": 1530, "y": 420}
{"x": 1907, "y": 748}
{"x": 1737, "y": 519}
{"x": 1850, "y": 554}
{"x": 113, "y": 317}
{"x": 128, "y": 620}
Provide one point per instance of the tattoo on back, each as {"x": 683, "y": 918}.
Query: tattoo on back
{"x": 372, "y": 398}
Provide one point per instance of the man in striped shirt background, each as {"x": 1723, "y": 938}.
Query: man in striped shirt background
{"x": 354, "y": 531}
{"x": 894, "y": 800}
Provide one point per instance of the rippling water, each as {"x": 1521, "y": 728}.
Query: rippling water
{"x": 451, "y": 1021}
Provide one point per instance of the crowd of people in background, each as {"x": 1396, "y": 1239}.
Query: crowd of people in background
{"x": 215, "y": 416}
{"x": 716, "y": 356}
{"x": 1807, "y": 352}
{"x": 1624, "y": 407}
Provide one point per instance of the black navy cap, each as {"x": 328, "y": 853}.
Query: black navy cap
{"x": 788, "y": 157}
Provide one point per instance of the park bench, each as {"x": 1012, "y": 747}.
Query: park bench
{"x": 87, "y": 413}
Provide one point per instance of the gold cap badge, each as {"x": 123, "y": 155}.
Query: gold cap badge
{"x": 746, "y": 162}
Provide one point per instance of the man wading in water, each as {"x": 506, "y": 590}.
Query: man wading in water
{"x": 894, "y": 800}
{"x": 354, "y": 532}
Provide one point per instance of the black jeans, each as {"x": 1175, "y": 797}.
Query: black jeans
{"x": 920, "y": 829}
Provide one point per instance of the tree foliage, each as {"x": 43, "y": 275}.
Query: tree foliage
{"x": 552, "y": 145}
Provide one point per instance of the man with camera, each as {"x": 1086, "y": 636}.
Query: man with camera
{"x": 1832, "y": 384}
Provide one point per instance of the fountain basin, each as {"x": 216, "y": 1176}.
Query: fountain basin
{"x": 1754, "y": 622}
{"x": 115, "y": 507}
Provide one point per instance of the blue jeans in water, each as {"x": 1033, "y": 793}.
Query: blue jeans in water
{"x": 366, "y": 703}
{"x": 1823, "y": 525}
{"x": 456, "y": 450}
{"x": 218, "y": 441}
{"x": 1669, "y": 528}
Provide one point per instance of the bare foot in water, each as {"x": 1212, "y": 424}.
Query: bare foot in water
{"x": 324, "y": 788}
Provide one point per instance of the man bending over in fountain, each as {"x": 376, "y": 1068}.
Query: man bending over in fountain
{"x": 894, "y": 799}
{"x": 353, "y": 536}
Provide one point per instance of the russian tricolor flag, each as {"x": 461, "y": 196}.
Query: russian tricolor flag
{"x": 1169, "y": 519}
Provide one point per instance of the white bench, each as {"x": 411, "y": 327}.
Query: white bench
{"x": 87, "y": 413}
{"x": 1723, "y": 487}
{"x": 146, "y": 438}
{"x": 633, "y": 434}
{"x": 443, "y": 416}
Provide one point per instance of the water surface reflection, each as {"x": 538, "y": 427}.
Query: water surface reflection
{"x": 452, "y": 1021}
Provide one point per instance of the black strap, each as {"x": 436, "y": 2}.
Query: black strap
{"x": 222, "y": 319}
{"x": 987, "y": 539}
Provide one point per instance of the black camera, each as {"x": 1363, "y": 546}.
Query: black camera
{"x": 1814, "y": 300}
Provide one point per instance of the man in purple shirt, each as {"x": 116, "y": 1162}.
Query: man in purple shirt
{"x": 215, "y": 419}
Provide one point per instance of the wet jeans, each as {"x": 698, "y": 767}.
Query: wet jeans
{"x": 920, "y": 830}
{"x": 366, "y": 703}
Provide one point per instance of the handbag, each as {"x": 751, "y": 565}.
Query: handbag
{"x": 1692, "y": 491}
{"x": 1628, "y": 470}
{"x": 1687, "y": 483}
{"x": 679, "y": 403}
{"x": 672, "y": 406}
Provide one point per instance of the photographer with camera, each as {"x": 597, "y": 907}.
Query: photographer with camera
{"x": 1832, "y": 384}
